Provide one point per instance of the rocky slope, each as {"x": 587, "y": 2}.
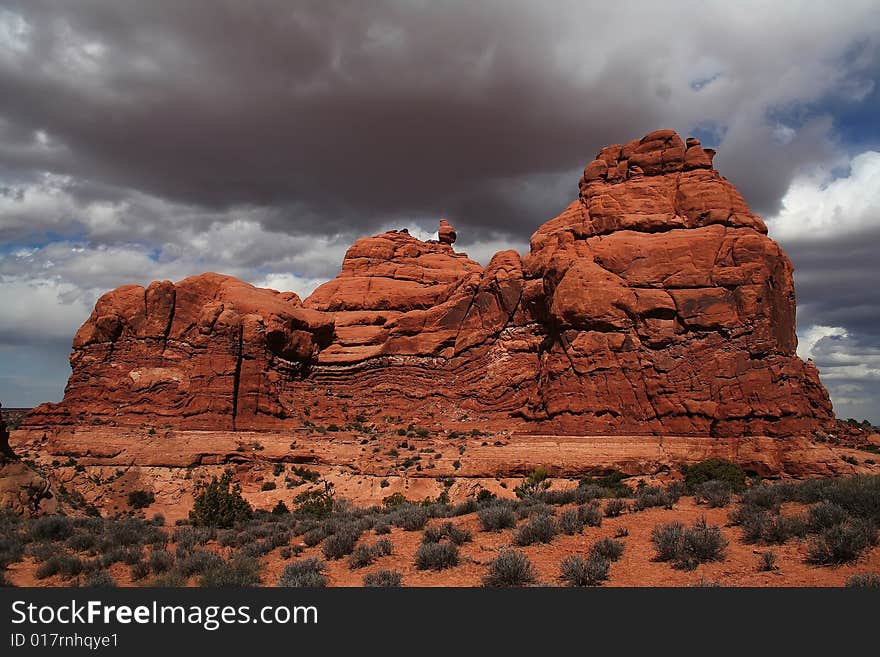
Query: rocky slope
{"x": 22, "y": 489}
{"x": 654, "y": 303}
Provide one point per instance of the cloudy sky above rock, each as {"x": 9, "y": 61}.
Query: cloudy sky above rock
{"x": 151, "y": 140}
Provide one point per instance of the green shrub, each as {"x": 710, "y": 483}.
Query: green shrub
{"x": 280, "y": 509}
{"x": 305, "y": 573}
{"x": 536, "y": 482}
{"x": 495, "y": 518}
{"x": 608, "y": 549}
{"x": 510, "y": 568}
{"x": 220, "y": 504}
{"x": 318, "y": 503}
{"x": 437, "y": 556}
{"x": 304, "y": 473}
{"x": 383, "y": 579}
{"x": 577, "y": 571}
{"x": 140, "y": 499}
{"x": 714, "y": 469}
{"x": 268, "y": 485}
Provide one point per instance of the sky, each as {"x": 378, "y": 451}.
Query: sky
{"x": 156, "y": 140}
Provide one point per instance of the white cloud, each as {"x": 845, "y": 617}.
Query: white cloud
{"x": 817, "y": 206}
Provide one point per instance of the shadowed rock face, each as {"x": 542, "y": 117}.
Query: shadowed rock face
{"x": 654, "y": 304}
{"x": 22, "y": 489}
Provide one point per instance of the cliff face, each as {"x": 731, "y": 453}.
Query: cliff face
{"x": 655, "y": 303}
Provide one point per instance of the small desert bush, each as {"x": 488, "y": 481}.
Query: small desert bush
{"x": 649, "y": 497}
{"x": 81, "y": 541}
{"x": 341, "y": 543}
{"x": 11, "y": 549}
{"x": 140, "y": 499}
{"x": 410, "y": 517}
{"x": 570, "y": 522}
{"x": 315, "y": 535}
{"x": 714, "y": 493}
{"x": 536, "y": 482}
{"x": 51, "y": 528}
{"x": 578, "y": 571}
{"x": 99, "y": 579}
{"x": 448, "y": 531}
{"x": 160, "y": 561}
{"x": 767, "y": 561}
{"x": 842, "y": 543}
{"x": 170, "y": 579}
{"x": 778, "y": 529}
{"x": 362, "y": 557}
{"x": 753, "y": 519}
{"x": 65, "y": 565}
{"x": 383, "y": 579}
{"x": 305, "y": 573}
{"x": 589, "y": 514}
{"x": 239, "y": 572}
{"x": 510, "y": 568}
{"x": 864, "y": 581}
{"x": 139, "y": 570}
{"x": 608, "y": 548}
{"x": 437, "y": 556}
{"x": 318, "y": 503}
{"x": 189, "y": 537}
{"x": 496, "y": 517}
{"x": 614, "y": 507}
{"x": 540, "y": 529}
{"x": 197, "y": 562}
{"x": 825, "y": 514}
{"x": 688, "y": 547}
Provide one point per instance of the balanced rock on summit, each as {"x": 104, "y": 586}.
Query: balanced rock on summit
{"x": 655, "y": 303}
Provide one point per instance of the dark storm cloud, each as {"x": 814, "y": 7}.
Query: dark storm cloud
{"x": 361, "y": 110}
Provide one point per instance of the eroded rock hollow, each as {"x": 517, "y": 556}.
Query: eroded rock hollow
{"x": 655, "y": 303}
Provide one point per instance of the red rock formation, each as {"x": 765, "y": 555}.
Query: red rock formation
{"x": 446, "y": 234}
{"x": 655, "y": 303}
{"x": 23, "y": 490}
{"x": 197, "y": 353}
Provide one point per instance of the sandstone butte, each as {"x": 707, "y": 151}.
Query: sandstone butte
{"x": 655, "y": 303}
